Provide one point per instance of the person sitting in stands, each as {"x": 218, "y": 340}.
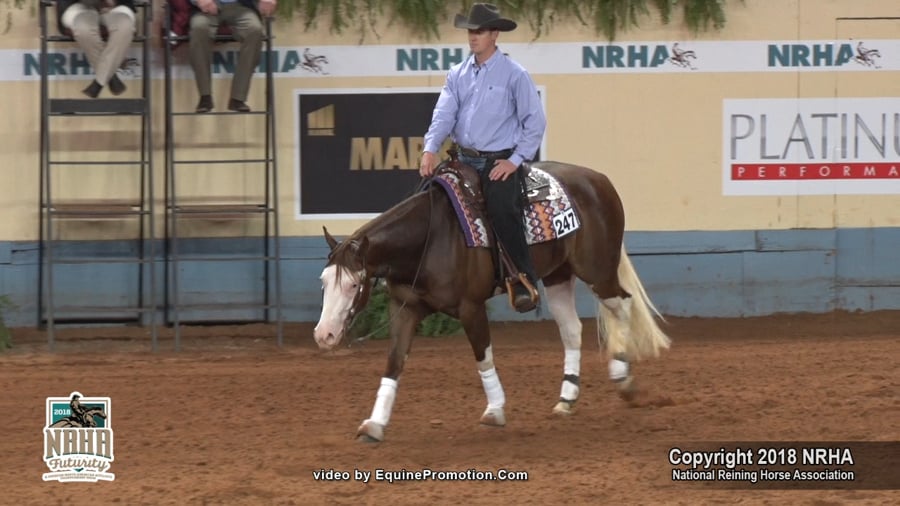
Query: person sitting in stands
{"x": 82, "y": 19}
{"x": 245, "y": 20}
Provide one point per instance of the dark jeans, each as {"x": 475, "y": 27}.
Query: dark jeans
{"x": 504, "y": 201}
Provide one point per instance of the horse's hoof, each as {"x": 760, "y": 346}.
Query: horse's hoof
{"x": 370, "y": 432}
{"x": 493, "y": 417}
{"x": 564, "y": 408}
{"x": 365, "y": 438}
{"x": 627, "y": 389}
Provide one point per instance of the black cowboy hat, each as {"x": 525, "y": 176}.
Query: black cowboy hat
{"x": 484, "y": 17}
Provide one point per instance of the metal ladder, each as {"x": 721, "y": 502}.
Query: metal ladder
{"x": 140, "y": 306}
{"x": 218, "y": 207}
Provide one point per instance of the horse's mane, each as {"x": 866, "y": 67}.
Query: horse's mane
{"x": 381, "y": 228}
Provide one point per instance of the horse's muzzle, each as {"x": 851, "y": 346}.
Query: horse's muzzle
{"x": 326, "y": 338}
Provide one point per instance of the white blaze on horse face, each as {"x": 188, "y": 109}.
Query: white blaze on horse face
{"x": 338, "y": 293}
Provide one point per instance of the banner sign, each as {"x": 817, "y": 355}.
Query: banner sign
{"x": 592, "y": 57}
{"x": 812, "y": 146}
{"x": 358, "y": 151}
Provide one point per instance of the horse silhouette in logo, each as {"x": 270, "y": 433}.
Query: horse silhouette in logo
{"x": 314, "y": 63}
{"x": 682, "y": 57}
{"x": 81, "y": 416}
{"x": 867, "y": 56}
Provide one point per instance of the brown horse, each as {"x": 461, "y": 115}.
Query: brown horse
{"x": 418, "y": 248}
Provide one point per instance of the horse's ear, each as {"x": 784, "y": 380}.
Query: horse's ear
{"x": 332, "y": 243}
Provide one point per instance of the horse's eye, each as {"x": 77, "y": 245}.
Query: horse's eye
{"x": 354, "y": 285}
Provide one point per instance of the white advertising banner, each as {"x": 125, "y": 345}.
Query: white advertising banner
{"x": 811, "y": 146}
{"x": 539, "y": 58}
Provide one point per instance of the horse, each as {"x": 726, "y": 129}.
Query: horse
{"x": 314, "y": 63}
{"x": 866, "y": 56}
{"x": 87, "y": 421}
{"x": 682, "y": 57}
{"x": 418, "y": 249}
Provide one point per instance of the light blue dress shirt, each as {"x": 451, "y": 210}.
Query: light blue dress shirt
{"x": 491, "y": 107}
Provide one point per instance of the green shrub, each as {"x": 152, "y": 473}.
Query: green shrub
{"x": 5, "y": 336}
{"x": 375, "y": 319}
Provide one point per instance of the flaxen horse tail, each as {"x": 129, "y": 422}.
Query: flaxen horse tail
{"x": 632, "y": 328}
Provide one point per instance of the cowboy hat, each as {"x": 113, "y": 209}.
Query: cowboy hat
{"x": 484, "y": 17}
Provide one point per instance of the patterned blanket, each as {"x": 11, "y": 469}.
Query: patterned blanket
{"x": 549, "y": 215}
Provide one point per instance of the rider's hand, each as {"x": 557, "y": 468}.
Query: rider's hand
{"x": 267, "y": 7}
{"x": 502, "y": 170}
{"x": 208, "y": 7}
{"x": 427, "y": 164}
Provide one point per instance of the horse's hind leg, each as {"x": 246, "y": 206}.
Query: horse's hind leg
{"x": 561, "y": 301}
{"x": 614, "y": 319}
{"x": 613, "y": 316}
{"x": 628, "y": 321}
{"x": 475, "y": 322}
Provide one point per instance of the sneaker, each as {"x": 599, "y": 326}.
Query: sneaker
{"x": 238, "y": 106}
{"x": 205, "y": 104}
{"x": 93, "y": 89}
{"x": 116, "y": 86}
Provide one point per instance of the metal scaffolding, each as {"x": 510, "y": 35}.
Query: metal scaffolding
{"x": 139, "y": 306}
{"x": 179, "y": 208}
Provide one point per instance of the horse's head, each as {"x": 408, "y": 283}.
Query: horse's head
{"x": 89, "y": 415}
{"x": 345, "y": 289}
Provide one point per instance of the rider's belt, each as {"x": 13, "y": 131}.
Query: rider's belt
{"x": 495, "y": 155}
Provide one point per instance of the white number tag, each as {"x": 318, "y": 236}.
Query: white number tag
{"x": 565, "y": 222}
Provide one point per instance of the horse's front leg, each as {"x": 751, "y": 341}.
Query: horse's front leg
{"x": 404, "y": 319}
{"x": 475, "y": 322}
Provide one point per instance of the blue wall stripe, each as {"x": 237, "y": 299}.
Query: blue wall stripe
{"x": 690, "y": 273}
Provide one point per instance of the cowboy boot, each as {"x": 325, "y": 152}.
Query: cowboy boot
{"x": 523, "y": 295}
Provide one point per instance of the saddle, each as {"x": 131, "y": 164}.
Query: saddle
{"x": 472, "y": 199}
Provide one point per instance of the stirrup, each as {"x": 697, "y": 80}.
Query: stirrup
{"x": 533, "y": 293}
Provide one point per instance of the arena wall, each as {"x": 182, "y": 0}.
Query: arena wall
{"x": 732, "y": 207}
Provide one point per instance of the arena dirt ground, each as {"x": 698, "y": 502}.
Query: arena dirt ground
{"x": 232, "y": 419}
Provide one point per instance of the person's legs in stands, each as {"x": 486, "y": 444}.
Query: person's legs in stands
{"x": 203, "y": 32}
{"x": 120, "y": 25}
{"x": 248, "y": 29}
{"x": 85, "y": 26}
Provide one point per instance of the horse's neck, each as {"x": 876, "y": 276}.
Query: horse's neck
{"x": 398, "y": 235}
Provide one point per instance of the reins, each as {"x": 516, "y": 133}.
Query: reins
{"x": 424, "y": 184}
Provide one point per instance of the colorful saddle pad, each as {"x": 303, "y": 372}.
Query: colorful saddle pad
{"x": 549, "y": 215}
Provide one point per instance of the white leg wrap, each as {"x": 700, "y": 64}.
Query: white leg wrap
{"x": 572, "y": 363}
{"x": 492, "y": 388}
{"x": 384, "y": 401}
{"x": 572, "y": 366}
{"x": 488, "y": 363}
{"x": 569, "y": 391}
{"x": 618, "y": 369}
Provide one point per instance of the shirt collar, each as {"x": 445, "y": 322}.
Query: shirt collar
{"x": 489, "y": 62}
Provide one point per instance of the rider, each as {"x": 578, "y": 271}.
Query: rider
{"x": 77, "y": 410}
{"x": 491, "y": 107}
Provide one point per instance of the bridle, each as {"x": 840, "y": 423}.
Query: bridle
{"x": 360, "y": 299}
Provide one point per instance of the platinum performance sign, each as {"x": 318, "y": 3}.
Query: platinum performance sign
{"x": 820, "y": 146}
{"x": 358, "y": 150}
